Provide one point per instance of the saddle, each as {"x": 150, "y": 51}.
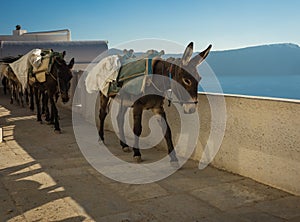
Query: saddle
{"x": 38, "y": 72}
{"x": 130, "y": 72}
{"x": 133, "y": 74}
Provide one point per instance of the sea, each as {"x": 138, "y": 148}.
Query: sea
{"x": 287, "y": 87}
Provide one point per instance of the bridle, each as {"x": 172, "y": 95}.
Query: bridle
{"x": 169, "y": 92}
{"x": 50, "y": 70}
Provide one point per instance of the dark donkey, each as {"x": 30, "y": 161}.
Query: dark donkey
{"x": 10, "y": 80}
{"x": 183, "y": 72}
{"x": 57, "y": 82}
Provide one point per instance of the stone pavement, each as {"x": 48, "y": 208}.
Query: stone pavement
{"x": 44, "y": 177}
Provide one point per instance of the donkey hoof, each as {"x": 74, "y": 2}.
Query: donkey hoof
{"x": 174, "y": 164}
{"x": 57, "y": 131}
{"x": 126, "y": 149}
{"x": 137, "y": 159}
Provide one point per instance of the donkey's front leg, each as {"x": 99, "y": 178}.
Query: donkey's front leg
{"x": 137, "y": 130}
{"x": 168, "y": 135}
{"x": 45, "y": 108}
{"x": 31, "y": 95}
{"x": 37, "y": 96}
{"x": 54, "y": 113}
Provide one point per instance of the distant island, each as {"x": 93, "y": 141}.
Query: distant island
{"x": 273, "y": 59}
{"x": 266, "y": 70}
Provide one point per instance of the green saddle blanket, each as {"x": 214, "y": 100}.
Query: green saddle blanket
{"x": 131, "y": 77}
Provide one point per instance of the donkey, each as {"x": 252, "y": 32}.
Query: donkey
{"x": 10, "y": 81}
{"x": 57, "y": 82}
{"x": 185, "y": 73}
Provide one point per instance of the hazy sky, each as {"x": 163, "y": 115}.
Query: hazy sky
{"x": 225, "y": 24}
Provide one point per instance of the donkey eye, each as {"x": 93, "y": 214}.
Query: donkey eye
{"x": 187, "y": 82}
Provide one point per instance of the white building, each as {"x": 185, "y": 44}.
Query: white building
{"x": 23, "y": 35}
{"x": 21, "y": 42}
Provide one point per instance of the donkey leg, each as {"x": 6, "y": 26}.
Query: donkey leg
{"x": 168, "y": 135}
{"x": 55, "y": 114}
{"x": 4, "y": 83}
{"x": 120, "y": 120}
{"x": 102, "y": 115}
{"x": 137, "y": 130}
{"x": 12, "y": 93}
{"x": 17, "y": 95}
{"x": 26, "y": 96}
{"x": 37, "y": 103}
{"x": 21, "y": 95}
{"x": 45, "y": 106}
{"x": 31, "y": 95}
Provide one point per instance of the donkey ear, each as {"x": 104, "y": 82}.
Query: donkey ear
{"x": 187, "y": 54}
{"x": 71, "y": 64}
{"x": 198, "y": 59}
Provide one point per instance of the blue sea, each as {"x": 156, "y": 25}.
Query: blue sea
{"x": 263, "y": 85}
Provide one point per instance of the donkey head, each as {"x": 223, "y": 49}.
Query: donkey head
{"x": 186, "y": 74}
{"x": 64, "y": 75}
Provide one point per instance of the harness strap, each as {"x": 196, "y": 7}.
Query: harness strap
{"x": 149, "y": 71}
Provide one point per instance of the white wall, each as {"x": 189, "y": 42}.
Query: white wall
{"x": 261, "y": 141}
{"x": 23, "y": 35}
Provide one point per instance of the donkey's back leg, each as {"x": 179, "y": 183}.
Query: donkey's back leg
{"x": 137, "y": 130}
{"x": 120, "y": 120}
{"x": 102, "y": 114}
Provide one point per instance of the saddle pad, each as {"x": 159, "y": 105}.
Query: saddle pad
{"x": 131, "y": 77}
{"x": 132, "y": 69}
{"x": 40, "y": 72}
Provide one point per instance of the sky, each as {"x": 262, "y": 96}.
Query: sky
{"x": 226, "y": 24}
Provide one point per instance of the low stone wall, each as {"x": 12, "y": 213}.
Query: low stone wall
{"x": 261, "y": 140}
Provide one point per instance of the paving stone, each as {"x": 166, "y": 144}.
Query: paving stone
{"x": 138, "y": 192}
{"x": 220, "y": 175}
{"x": 55, "y": 210}
{"x": 93, "y": 196}
{"x": 19, "y": 218}
{"x": 8, "y": 208}
{"x": 178, "y": 184}
{"x": 251, "y": 214}
{"x": 129, "y": 216}
{"x": 287, "y": 207}
{"x": 226, "y": 196}
{"x": 294, "y": 219}
{"x": 181, "y": 207}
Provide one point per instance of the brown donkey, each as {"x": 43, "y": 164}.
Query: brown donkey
{"x": 184, "y": 72}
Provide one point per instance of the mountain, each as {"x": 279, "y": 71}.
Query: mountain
{"x": 274, "y": 59}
